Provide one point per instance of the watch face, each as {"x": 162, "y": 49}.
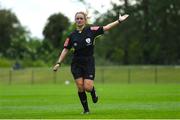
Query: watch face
{"x": 75, "y": 44}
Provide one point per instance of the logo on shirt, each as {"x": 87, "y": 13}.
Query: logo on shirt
{"x": 91, "y": 76}
{"x": 88, "y": 41}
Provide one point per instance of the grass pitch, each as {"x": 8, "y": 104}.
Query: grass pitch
{"x": 116, "y": 101}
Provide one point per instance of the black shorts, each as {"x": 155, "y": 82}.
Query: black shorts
{"x": 83, "y": 67}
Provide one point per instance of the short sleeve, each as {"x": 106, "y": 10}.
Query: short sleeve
{"x": 67, "y": 43}
{"x": 97, "y": 30}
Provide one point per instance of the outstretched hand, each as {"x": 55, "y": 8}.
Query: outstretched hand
{"x": 122, "y": 18}
{"x": 55, "y": 68}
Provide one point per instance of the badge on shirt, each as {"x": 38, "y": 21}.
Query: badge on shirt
{"x": 88, "y": 41}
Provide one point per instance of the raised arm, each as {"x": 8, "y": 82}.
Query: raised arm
{"x": 61, "y": 58}
{"x": 111, "y": 25}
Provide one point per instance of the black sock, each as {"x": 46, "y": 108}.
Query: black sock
{"x": 83, "y": 99}
{"x": 93, "y": 92}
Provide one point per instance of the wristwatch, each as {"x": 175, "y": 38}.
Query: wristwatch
{"x": 119, "y": 21}
{"x": 58, "y": 63}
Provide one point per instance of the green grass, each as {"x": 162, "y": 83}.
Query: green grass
{"x": 116, "y": 101}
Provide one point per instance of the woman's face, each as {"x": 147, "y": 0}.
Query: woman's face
{"x": 80, "y": 20}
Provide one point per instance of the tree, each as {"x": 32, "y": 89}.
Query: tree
{"x": 149, "y": 36}
{"x": 53, "y": 31}
{"x": 9, "y": 28}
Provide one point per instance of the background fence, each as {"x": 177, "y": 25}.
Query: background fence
{"x": 110, "y": 74}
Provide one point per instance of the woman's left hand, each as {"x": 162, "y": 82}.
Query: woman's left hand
{"x": 122, "y": 18}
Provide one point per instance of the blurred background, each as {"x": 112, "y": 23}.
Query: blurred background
{"x": 137, "y": 62}
{"x": 145, "y": 48}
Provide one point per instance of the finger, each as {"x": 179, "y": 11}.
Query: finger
{"x": 55, "y": 68}
{"x": 126, "y": 15}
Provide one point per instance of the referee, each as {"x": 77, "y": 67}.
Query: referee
{"x": 83, "y": 64}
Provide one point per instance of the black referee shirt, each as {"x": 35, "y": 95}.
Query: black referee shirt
{"x": 83, "y": 42}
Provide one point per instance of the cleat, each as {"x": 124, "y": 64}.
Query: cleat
{"x": 94, "y": 96}
{"x": 86, "y": 112}
{"x": 95, "y": 99}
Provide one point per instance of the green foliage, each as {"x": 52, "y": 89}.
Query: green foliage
{"x": 9, "y": 27}
{"x": 4, "y": 62}
{"x": 31, "y": 52}
{"x": 149, "y": 36}
{"x": 19, "y": 48}
{"x": 30, "y": 63}
{"x": 53, "y": 30}
{"x": 8, "y": 63}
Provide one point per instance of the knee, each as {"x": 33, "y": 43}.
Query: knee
{"x": 88, "y": 87}
{"x": 80, "y": 88}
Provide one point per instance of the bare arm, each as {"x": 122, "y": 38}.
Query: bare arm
{"x": 115, "y": 23}
{"x": 61, "y": 58}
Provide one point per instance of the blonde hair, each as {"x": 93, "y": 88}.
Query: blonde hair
{"x": 84, "y": 14}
